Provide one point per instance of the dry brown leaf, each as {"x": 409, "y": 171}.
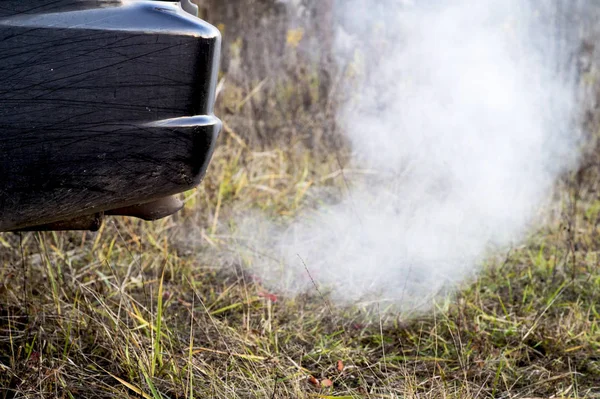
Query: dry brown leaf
{"x": 269, "y": 296}
{"x": 326, "y": 383}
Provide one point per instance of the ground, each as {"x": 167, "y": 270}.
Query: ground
{"x": 162, "y": 310}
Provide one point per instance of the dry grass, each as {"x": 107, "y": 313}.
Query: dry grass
{"x": 160, "y": 309}
{"x": 165, "y": 309}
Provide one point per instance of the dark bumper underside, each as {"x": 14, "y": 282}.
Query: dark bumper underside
{"x": 103, "y": 105}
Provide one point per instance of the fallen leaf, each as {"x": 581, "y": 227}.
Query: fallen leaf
{"x": 340, "y": 366}
{"x": 313, "y": 381}
{"x": 326, "y": 383}
{"x": 34, "y": 359}
{"x": 294, "y": 37}
{"x": 184, "y": 303}
{"x": 270, "y": 297}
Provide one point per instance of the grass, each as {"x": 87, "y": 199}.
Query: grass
{"x": 167, "y": 310}
{"x": 164, "y": 309}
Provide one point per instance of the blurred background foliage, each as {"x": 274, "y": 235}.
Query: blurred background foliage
{"x": 278, "y": 74}
{"x": 281, "y": 83}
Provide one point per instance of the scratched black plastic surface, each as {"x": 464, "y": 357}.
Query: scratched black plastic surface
{"x": 85, "y": 89}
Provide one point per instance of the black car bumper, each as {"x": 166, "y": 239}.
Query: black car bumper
{"x": 104, "y": 105}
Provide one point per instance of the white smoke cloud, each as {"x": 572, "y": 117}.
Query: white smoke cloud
{"x": 466, "y": 109}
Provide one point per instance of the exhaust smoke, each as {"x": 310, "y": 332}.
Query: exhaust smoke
{"x": 467, "y": 111}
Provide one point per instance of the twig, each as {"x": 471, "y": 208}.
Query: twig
{"x": 316, "y": 286}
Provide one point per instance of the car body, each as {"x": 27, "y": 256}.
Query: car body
{"x": 106, "y": 107}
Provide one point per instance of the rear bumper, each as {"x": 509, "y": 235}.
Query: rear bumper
{"x": 101, "y": 107}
